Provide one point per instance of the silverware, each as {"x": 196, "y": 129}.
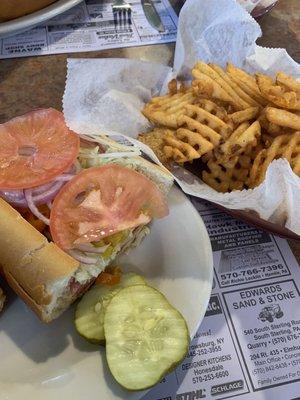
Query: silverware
{"x": 152, "y": 15}
{"x": 122, "y": 12}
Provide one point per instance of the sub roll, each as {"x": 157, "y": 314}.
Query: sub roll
{"x": 38, "y": 271}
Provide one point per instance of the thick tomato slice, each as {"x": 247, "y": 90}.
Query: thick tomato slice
{"x": 101, "y": 201}
{"x": 35, "y": 148}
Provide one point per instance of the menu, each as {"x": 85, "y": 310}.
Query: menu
{"x": 248, "y": 345}
{"x": 91, "y": 26}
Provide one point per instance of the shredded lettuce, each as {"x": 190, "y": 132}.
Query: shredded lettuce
{"x": 89, "y": 157}
{"x": 121, "y": 241}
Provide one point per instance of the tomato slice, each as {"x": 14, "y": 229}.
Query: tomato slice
{"x": 35, "y": 148}
{"x": 101, "y": 201}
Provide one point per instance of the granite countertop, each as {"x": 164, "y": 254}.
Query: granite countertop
{"x": 33, "y": 82}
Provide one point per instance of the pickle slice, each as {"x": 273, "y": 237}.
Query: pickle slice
{"x": 145, "y": 337}
{"x": 89, "y": 314}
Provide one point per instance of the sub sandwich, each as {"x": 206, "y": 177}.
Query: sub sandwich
{"x": 68, "y": 206}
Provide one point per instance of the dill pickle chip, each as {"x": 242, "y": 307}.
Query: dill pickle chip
{"x": 145, "y": 337}
{"x": 89, "y": 314}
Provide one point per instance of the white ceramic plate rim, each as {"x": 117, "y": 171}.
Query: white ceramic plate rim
{"x": 28, "y": 21}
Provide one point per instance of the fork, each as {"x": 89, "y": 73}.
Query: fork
{"x": 122, "y": 12}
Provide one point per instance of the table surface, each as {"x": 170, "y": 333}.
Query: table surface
{"x": 28, "y": 83}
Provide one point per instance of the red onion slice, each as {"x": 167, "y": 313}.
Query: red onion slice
{"x": 89, "y": 248}
{"x": 72, "y": 170}
{"x": 64, "y": 178}
{"x": 33, "y": 208}
{"x": 87, "y": 138}
{"x": 40, "y": 195}
{"x": 81, "y": 257}
{"x": 43, "y": 194}
{"x": 14, "y": 197}
{"x": 41, "y": 189}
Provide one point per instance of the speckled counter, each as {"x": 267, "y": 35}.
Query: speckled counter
{"x": 28, "y": 83}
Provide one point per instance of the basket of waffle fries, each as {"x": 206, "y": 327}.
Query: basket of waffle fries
{"x": 227, "y": 126}
{"x": 225, "y": 120}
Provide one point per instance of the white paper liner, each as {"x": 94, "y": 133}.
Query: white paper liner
{"x": 214, "y": 31}
{"x": 106, "y": 96}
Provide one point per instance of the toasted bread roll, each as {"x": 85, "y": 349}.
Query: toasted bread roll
{"x": 38, "y": 271}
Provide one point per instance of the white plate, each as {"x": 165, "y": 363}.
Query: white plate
{"x": 52, "y": 362}
{"x": 21, "y": 24}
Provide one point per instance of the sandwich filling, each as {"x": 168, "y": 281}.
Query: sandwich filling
{"x": 100, "y": 208}
{"x": 118, "y": 243}
{"x": 78, "y": 193}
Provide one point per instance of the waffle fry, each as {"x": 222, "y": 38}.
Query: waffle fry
{"x": 178, "y": 150}
{"x": 198, "y": 142}
{"x": 266, "y": 140}
{"x": 247, "y": 83}
{"x": 224, "y": 179}
{"x": 236, "y": 122}
{"x": 177, "y": 154}
{"x": 283, "y": 118}
{"x": 202, "y": 130}
{"x": 244, "y": 137}
{"x": 269, "y": 127}
{"x": 174, "y": 86}
{"x": 240, "y": 92}
{"x": 210, "y": 72}
{"x": 213, "y": 109}
{"x": 242, "y": 75}
{"x": 284, "y": 146}
{"x": 193, "y": 126}
{"x": 287, "y": 81}
{"x": 164, "y": 110}
{"x": 205, "y": 118}
{"x": 208, "y": 156}
{"x": 245, "y": 115}
{"x": 205, "y": 85}
{"x": 230, "y": 161}
{"x": 278, "y": 94}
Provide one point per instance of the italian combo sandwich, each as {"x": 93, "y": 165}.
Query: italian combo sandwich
{"x": 69, "y": 205}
